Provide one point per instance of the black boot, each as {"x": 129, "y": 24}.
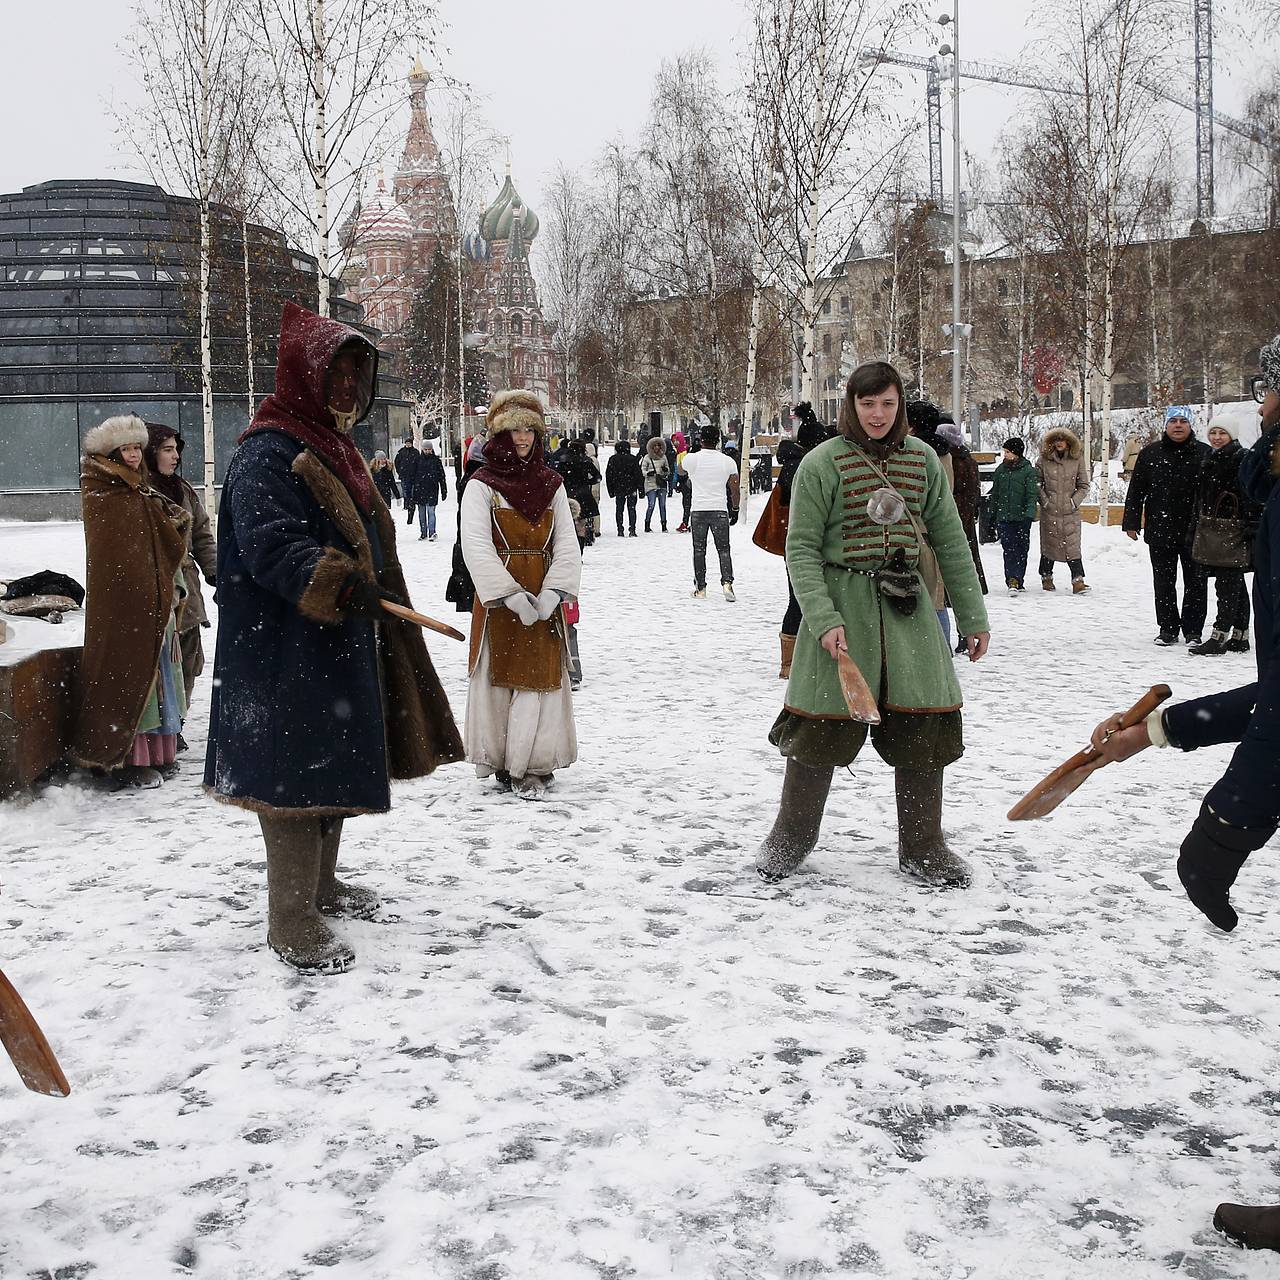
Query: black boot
{"x": 795, "y": 830}
{"x": 1213, "y": 647}
{"x": 922, "y": 848}
{"x": 1239, "y": 642}
{"x": 1249, "y": 1226}
{"x": 335, "y": 897}
{"x": 1209, "y": 860}
{"x": 295, "y": 930}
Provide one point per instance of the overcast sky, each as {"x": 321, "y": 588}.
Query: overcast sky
{"x": 560, "y": 78}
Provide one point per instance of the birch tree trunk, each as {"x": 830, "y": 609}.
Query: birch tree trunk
{"x": 321, "y": 169}
{"x": 248, "y": 314}
{"x": 206, "y": 254}
{"x": 749, "y": 392}
{"x": 809, "y": 363}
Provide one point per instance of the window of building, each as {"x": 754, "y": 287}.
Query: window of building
{"x": 36, "y": 326}
{"x": 844, "y": 304}
{"x": 875, "y": 302}
{"x": 1002, "y": 287}
{"x": 39, "y": 447}
{"x": 35, "y": 275}
{"x": 36, "y": 384}
{"x": 49, "y": 248}
{"x": 826, "y": 306}
{"x": 517, "y": 326}
{"x": 111, "y": 248}
{"x": 1004, "y": 327}
{"x": 826, "y": 344}
{"x": 91, "y": 271}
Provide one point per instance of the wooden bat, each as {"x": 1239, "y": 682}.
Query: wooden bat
{"x": 1051, "y": 791}
{"x": 857, "y": 694}
{"x": 423, "y": 621}
{"x": 26, "y": 1045}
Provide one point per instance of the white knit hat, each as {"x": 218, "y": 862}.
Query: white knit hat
{"x": 1224, "y": 422}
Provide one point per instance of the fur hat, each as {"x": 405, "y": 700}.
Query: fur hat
{"x": 1015, "y": 445}
{"x": 1269, "y": 362}
{"x": 509, "y": 410}
{"x": 1062, "y": 435}
{"x": 1222, "y": 422}
{"x": 113, "y": 433}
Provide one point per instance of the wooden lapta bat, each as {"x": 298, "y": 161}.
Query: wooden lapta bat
{"x": 857, "y": 694}
{"x": 1050, "y": 792}
{"x": 26, "y": 1045}
{"x": 422, "y": 620}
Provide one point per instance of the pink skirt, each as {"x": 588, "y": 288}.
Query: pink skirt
{"x": 154, "y": 749}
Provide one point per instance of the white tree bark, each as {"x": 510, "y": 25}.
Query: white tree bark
{"x": 320, "y": 164}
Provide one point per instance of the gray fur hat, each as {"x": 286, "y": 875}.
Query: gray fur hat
{"x": 112, "y": 433}
{"x": 1269, "y": 360}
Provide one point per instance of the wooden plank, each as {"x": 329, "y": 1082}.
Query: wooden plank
{"x": 38, "y": 701}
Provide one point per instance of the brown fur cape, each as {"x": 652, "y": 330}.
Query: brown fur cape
{"x": 135, "y": 540}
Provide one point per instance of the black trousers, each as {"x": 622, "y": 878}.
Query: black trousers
{"x": 1046, "y": 568}
{"x": 1189, "y": 619}
{"x": 793, "y": 617}
{"x": 627, "y": 501}
{"x": 1233, "y": 600}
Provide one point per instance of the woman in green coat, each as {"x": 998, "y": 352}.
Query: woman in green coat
{"x": 853, "y": 554}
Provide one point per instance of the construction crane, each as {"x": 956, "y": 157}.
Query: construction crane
{"x": 997, "y": 73}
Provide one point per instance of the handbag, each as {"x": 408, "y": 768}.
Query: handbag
{"x": 1220, "y": 541}
{"x": 927, "y": 565}
{"x": 771, "y": 529}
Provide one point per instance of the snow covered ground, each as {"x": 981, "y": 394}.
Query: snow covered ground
{"x": 592, "y": 1045}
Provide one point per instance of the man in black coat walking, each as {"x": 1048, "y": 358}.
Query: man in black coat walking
{"x": 1242, "y": 810}
{"x": 406, "y": 469}
{"x": 623, "y": 481}
{"x": 1162, "y": 503}
{"x": 429, "y": 488}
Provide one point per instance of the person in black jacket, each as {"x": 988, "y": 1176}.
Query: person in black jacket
{"x": 429, "y": 487}
{"x": 1162, "y": 503}
{"x": 406, "y": 465}
{"x": 384, "y": 477}
{"x": 1221, "y": 496}
{"x": 623, "y": 481}
{"x": 809, "y": 434}
{"x": 581, "y": 475}
{"x": 1241, "y": 812}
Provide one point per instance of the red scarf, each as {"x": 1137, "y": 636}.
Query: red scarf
{"x": 527, "y": 484}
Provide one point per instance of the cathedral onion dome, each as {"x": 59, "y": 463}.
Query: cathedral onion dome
{"x": 495, "y": 224}
{"x": 382, "y": 219}
{"x": 476, "y": 248}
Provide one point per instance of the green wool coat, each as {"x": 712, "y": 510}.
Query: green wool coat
{"x": 829, "y": 527}
{"x": 1015, "y": 490}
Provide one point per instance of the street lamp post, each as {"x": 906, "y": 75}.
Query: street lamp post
{"x": 953, "y": 19}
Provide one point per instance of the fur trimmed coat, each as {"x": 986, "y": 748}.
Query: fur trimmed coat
{"x": 1064, "y": 482}
{"x": 135, "y": 542}
{"x": 297, "y": 723}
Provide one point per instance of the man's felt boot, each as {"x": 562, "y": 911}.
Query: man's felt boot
{"x": 1209, "y": 860}
{"x": 922, "y": 848}
{"x": 795, "y": 830}
{"x": 335, "y": 897}
{"x": 1239, "y": 642}
{"x": 1213, "y": 647}
{"x": 1251, "y": 1226}
{"x": 296, "y": 932}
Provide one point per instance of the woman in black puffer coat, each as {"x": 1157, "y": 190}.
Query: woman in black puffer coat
{"x": 809, "y": 435}
{"x": 581, "y": 476}
{"x": 1221, "y": 495}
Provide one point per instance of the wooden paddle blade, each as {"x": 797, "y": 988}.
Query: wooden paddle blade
{"x": 1052, "y": 790}
{"x": 26, "y": 1045}
{"x": 421, "y": 619}
{"x": 857, "y": 694}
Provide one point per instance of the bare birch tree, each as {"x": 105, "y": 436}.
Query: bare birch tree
{"x": 566, "y": 260}
{"x": 338, "y": 68}
{"x": 194, "y": 70}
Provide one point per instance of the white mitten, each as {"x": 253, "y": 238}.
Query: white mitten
{"x": 548, "y": 602}
{"x": 524, "y": 606}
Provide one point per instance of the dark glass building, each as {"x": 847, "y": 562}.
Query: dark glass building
{"x": 99, "y": 315}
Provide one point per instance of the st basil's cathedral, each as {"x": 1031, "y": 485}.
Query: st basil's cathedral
{"x": 391, "y": 240}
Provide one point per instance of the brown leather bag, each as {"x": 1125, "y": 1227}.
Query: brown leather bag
{"x": 771, "y": 529}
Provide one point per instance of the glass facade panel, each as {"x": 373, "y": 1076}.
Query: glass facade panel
{"x": 36, "y": 384}
{"x": 121, "y": 298}
{"x": 91, "y": 271}
{"x": 121, "y": 324}
{"x": 113, "y": 248}
{"x": 39, "y": 448}
{"x": 56, "y": 225}
{"x": 45, "y": 353}
{"x": 37, "y": 325}
{"x": 37, "y": 275}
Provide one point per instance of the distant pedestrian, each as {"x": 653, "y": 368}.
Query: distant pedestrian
{"x": 582, "y": 483}
{"x": 623, "y": 480}
{"x": 713, "y": 481}
{"x": 1161, "y": 504}
{"x": 968, "y": 495}
{"x": 385, "y": 478}
{"x": 1014, "y": 492}
{"x": 657, "y": 473}
{"x": 1226, "y": 526}
{"x": 406, "y": 466}
{"x": 430, "y": 488}
{"x": 1063, "y": 478}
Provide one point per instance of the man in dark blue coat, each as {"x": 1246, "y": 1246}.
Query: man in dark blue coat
{"x": 1242, "y": 810}
{"x": 319, "y": 697}
{"x": 429, "y": 488}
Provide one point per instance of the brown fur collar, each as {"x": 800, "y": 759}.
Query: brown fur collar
{"x": 1052, "y": 437}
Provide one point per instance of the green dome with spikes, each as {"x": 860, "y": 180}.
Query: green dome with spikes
{"x": 495, "y": 223}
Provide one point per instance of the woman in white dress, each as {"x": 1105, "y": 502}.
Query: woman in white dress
{"x": 520, "y": 548}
